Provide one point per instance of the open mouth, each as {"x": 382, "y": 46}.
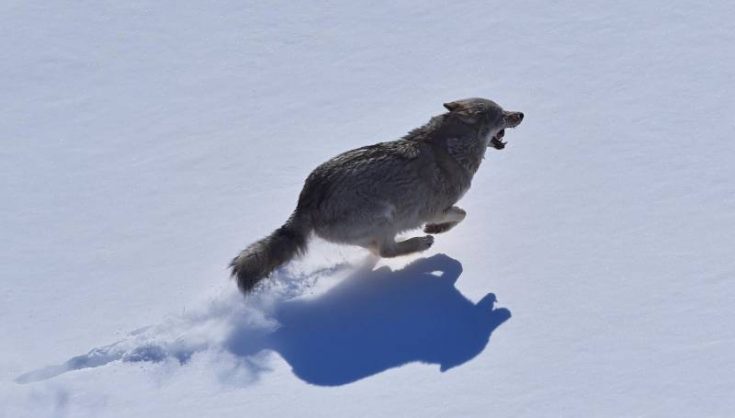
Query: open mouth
{"x": 497, "y": 140}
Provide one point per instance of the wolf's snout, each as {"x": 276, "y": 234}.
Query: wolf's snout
{"x": 514, "y": 119}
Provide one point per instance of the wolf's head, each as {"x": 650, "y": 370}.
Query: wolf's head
{"x": 486, "y": 116}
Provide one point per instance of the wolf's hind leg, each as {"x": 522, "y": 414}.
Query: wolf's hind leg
{"x": 439, "y": 228}
{"x": 412, "y": 245}
{"x": 446, "y": 221}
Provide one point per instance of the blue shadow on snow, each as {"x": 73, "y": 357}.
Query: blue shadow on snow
{"x": 377, "y": 320}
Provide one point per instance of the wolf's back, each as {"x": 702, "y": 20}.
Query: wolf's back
{"x": 366, "y": 171}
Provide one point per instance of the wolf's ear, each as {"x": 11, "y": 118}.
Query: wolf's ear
{"x": 454, "y": 106}
{"x": 462, "y": 111}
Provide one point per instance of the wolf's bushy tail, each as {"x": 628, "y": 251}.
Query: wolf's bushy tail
{"x": 259, "y": 259}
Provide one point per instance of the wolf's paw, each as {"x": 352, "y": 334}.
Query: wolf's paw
{"x": 438, "y": 228}
{"x": 425, "y": 242}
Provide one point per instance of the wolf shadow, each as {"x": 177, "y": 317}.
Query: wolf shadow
{"x": 377, "y": 320}
{"x": 368, "y": 323}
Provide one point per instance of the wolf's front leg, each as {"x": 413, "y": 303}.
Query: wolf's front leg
{"x": 446, "y": 221}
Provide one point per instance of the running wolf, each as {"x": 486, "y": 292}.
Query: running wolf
{"x": 367, "y": 196}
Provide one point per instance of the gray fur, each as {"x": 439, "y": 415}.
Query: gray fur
{"x": 369, "y": 195}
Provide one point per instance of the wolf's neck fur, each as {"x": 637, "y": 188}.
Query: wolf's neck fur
{"x": 461, "y": 141}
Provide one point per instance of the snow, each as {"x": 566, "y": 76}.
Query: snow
{"x": 145, "y": 143}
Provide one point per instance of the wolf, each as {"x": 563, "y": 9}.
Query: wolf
{"x": 368, "y": 195}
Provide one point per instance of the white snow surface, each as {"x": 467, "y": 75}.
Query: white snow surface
{"x": 144, "y": 143}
